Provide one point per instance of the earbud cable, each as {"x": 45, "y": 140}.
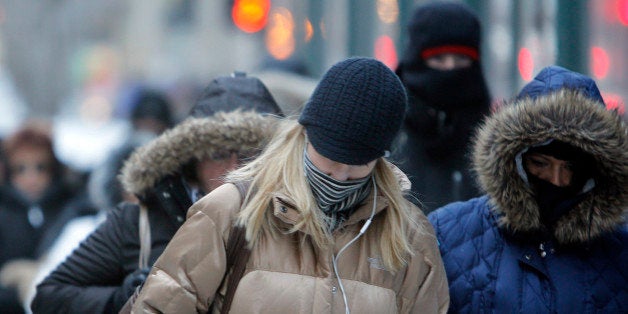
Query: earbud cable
{"x": 362, "y": 231}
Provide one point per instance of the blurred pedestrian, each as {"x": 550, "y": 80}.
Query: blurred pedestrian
{"x": 550, "y": 235}
{"x": 324, "y": 217}
{"x": 150, "y": 116}
{"x": 105, "y": 192}
{"x": 35, "y": 202}
{"x": 448, "y": 96}
{"x": 230, "y": 123}
{"x": 151, "y": 112}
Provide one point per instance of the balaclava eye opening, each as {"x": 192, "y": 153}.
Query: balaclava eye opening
{"x": 554, "y": 201}
{"x": 438, "y": 28}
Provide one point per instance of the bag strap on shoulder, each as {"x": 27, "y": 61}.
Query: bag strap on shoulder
{"x": 237, "y": 253}
{"x": 145, "y": 239}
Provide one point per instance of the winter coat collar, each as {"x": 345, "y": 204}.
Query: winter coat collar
{"x": 285, "y": 210}
{"x": 566, "y": 116}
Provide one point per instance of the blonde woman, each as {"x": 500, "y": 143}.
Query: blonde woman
{"x": 325, "y": 217}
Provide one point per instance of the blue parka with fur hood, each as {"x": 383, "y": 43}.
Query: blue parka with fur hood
{"x": 498, "y": 256}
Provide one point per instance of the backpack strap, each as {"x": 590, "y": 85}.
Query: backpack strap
{"x": 237, "y": 254}
{"x": 144, "y": 232}
{"x": 145, "y": 244}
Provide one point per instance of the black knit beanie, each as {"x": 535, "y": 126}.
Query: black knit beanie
{"x": 442, "y": 27}
{"x": 355, "y": 111}
{"x": 236, "y": 91}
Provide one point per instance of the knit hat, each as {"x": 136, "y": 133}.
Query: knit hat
{"x": 442, "y": 27}
{"x": 237, "y": 91}
{"x": 355, "y": 111}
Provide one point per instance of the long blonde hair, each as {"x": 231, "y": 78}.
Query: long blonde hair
{"x": 280, "y": 168}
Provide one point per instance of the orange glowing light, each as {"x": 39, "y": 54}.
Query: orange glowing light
{"x": 525, "y": 63}
{"x": 280, "y": 41}
{"x": 250, "y": 15}
{"x": 309, "y": 30}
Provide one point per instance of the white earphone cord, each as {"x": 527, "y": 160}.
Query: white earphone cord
{"x": 362, "y": 231}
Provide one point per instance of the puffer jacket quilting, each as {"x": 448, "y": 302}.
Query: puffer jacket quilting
{"x": 487, "y": 266}
{"x": 277, "y": 282}
{"x": 498, "y": 255}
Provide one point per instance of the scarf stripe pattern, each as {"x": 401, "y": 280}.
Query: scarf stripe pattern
{"x": 335, "y": 196}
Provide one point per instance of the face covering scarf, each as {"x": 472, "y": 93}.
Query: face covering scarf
{"x": 451, "y": 90}
{"x": 335, "y": 197}
{"x": 554, "y": 202}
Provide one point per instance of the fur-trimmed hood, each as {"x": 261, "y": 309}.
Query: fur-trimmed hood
{"x": 565, "y": 115}
{"x": 242, "y": 132}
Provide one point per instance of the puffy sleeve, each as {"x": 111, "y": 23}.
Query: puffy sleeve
{"x": 425, "y": 285}
{"x": 86, "y": 281}
{"x": 185, "y": 278}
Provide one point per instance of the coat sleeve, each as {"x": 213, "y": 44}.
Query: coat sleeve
{"x": 87, "y": 279}
{"x": 186, "y": 276}
{"x": 426, "y": 270}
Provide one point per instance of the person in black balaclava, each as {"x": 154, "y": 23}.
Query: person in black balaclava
{"x": 448, "y": 94}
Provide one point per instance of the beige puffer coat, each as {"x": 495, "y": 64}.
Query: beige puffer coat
{"x": 287, "y": 274}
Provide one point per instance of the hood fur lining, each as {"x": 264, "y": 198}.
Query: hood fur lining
{"x": 243, "y": 133}
{"x": 569, "y": 117}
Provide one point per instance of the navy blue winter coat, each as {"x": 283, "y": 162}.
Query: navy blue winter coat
{"x": 498, "y": 255}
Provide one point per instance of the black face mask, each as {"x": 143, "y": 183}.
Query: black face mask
{"x": 554, "y": 201}
{"x": 447, "y": 90}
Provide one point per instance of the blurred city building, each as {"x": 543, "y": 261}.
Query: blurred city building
{"x": 72, "y": 60}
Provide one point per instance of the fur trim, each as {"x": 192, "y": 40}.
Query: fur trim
{"x": 243, "y": 133}
{"x": 569, "y": 117}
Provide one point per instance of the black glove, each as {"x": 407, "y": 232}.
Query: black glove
{"x": 126, "y": 290}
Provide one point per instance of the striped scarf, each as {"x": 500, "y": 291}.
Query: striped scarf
{"x": 335, "y": 197}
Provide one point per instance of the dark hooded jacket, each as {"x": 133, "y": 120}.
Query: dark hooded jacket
{"x": 498, "y": 255}
{"x": 226, "y": 119}
{"x": 444, "y": 106}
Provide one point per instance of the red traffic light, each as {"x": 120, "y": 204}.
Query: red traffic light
{"x": 250, "y": 15}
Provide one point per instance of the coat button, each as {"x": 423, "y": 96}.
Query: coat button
{"x": 166, "y": 194}
{"x": 334, "y": 289}
{"x": 283, "y": 209}
{"x": 179, "y": 218}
